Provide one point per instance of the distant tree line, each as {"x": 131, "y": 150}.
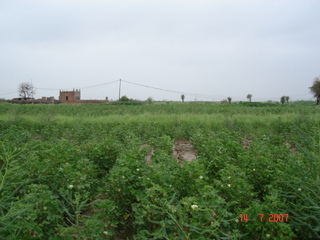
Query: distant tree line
{"x": 26, "y": 91}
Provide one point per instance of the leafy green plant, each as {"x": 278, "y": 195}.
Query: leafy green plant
{"x": 16, "y": 203}
{"x": 104, "y": 154}
{"x": 108, "y": 172}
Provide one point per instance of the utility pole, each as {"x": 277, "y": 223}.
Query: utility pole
{"x": 119, "y": 89}
{"x": 31, "y": 91}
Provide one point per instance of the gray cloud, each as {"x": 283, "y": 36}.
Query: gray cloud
{"x": 216, "y": 48}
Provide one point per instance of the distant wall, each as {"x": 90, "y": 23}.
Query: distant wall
{"x": 43, "y": 100}
{"x": 47, "y": 99}
{"x": 93, "y": 101}
{"x": 86, "y": 101}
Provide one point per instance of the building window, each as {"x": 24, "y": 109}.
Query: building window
{"x": 67, "y": 98}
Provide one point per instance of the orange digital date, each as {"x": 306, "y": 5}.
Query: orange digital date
{"x": 271, "y": 218}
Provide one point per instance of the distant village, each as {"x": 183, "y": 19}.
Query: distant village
{"x": 67, "y": 97}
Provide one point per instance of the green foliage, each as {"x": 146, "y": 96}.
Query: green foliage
{"x": 287, "y": 98}
{"x": 81, "y": 172}
{"x": 124, "y": 99}
{"x": 103, "y": 154}
{"x": 12, "y": 207}
{"x": 126, "y": 103}
{"x": 284, "y": 99}
{"x": 150, "y": 100}
{"x": 315, "y": 88}
{"x": 258, "y": 104}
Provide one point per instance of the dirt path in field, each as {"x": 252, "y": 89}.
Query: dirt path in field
{"x": 181, "y": 150}
{"x": 184, "y": 151}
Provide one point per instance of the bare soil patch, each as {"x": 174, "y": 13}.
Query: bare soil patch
{"x": 149, "y": 153}
{"x": 184, "y": 151}
{"x": 246, "y": 143}
{"x": 181, "y": 150}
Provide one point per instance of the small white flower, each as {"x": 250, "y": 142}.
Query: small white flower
{"x": 194, "y": 206}
{"x": 148, "y": 178}
{"x": 229, "y": 177}
{"x": 44, "y": 208}
{"x": 254, "y": 169}
{"x": 139, "y": 177}
{"x": 201, "y": 177}
{"x": 237, "y": 220}
{"x": 268, "y": 235}
{"x": 229, "y": 185}
{"x": 122, "y": 176}
{"x": 138, "y": 169}
{"x": 105, "y": 232}
{"x": 299, "y": 189}
{"x": 70, "y": 186}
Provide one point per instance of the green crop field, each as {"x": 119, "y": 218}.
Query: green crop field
{"x": 109, "y": 171}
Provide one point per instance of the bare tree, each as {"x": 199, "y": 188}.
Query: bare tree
{"x": 26, "y": 90}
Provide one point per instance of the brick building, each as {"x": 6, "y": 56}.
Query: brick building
{"x": 73, "y": 97}
{"x": 69, "y": 96}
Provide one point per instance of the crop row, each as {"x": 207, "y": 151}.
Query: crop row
{"x": 88, "y": 178}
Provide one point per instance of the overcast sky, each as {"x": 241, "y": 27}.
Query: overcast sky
{"x": 204, "y": 49}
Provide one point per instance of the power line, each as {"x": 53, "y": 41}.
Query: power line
{"x": 161, "y": 89}
{"x": 8, "y": 93}
{"x": 88, "y": 87}
{"x": 301, "y": 94}
{"x": 99, "y": 85}
{"x": 173, "y": 91}
{"x": 147, "y": 86}
{"x": 119, "y": 88}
